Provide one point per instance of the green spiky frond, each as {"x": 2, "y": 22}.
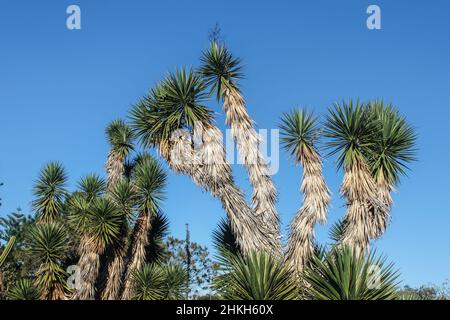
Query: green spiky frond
{"x": 148, "y": 283}
{"x": 350, "y": 130}
{"x": 48, "y": 242}
{"x": 49, "y": 192}
{"x": 175, "y": 103}
{"x": 92, "y": 186}
{"x": 124, "y": 196}
{"x": 337, "y": 230}
{"x": 155, "y": 282}
{"x": 257, "y": 276}
{"x": 299, "y": 132}
{"x": 24, "y": 289}
{"x": 78, "y": 208}
{"x": 220, "y": 68}
{"x": 155, "y": 250}
{"x": 120, "y": 137}
{"x": 150, "y": 180}
{"x": 345, "y": 274}
{"x": 175, "y": 284}
{"x": 394, "y": 144}
{"x": 104, "y": 220}
{"x": 145, "y": 118}
{"x": 49, "y": 245}
{"x": 224, "y": 238}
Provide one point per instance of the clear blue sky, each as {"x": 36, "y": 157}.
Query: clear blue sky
{"x": 60, "y": 88}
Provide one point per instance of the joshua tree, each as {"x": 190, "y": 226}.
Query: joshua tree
{"x": 120, "y": 138}
{"x": 99, "y": 223}
{"x": 123, "y": 195}
{"x": 299, "y": 133}
{"x": 221, "y": 71}
{"x": 351, "y": 132}
{"x": 165, "y": 119}
{"x": 49, "y": 245}
{"x": 392, "y": 150}
{"x": 50, "y": 191}
{"x": 92, "y": 186}
{"x": 149, "y": 181}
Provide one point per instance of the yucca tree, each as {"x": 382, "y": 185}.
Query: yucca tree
{"x": 49, "y": 245}
{"x": 344, "y": 274}
{"x": 256, "y": 276}
{"x": 393, "y": 149}
{"x": 299, "y": 133}
{"x": 351, "y": 132}
{"x": 92, "y": 186}
{"x": 49, "y": 192}
{"x": 221, "y": 70}
{"x": 149, "y": 181}
{"x": 24, "y": 289}
{"x": 99, "y": 224}
{"x": 120, "y": 138}
{"x": 124, "y": 196}
{"x": 165, "y": 119}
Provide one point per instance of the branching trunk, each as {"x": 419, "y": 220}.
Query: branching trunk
{"x": 247, "y": 140}
{"x": 314, "y": 210}
{"x": 214, "y": 175}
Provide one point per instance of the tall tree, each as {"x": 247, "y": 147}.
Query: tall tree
{"x": 165, "y": 119}
{"x": 299, "y": 133}
{"x": 99, "y": 224}
{"x": 351, "y": 133}
{"x": 49, "y": 192}
{"x": 149, "y": 181}
{"x": 221, "y": 70}
{"x": 49, "y": 245}
{"x": 120, "y": 138}
{"x": 124, "y": 196}
{"x": 393, "y": 149}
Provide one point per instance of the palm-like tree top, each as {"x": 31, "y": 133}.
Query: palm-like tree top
{"x": 175, "y": 103}
{"x": 351, "y": 131}
{"x": 120, "y": 137}
{"x": 394, "y": 144}
{"x": 49, "y": 243}
{"x": 92, "y": 186}
{"x": 124, "y": 196}
{"x": 150, "y": 181}
{"x": 220, "y": 68}
{"x": 104, "y": 222}
{"x": 49, "y": 191}
{"x": 299, "y": 132}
